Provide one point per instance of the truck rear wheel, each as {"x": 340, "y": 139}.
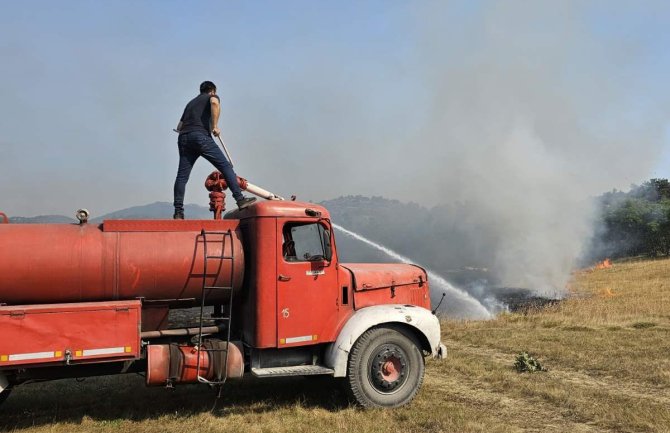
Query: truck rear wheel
{"x": 385, "y": 368}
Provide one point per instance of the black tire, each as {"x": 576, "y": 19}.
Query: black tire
{"x": 385, "y": 369}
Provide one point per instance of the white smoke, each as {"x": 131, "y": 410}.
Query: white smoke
{"x": 528, "y": 119}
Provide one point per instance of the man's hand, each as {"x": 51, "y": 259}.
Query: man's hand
{"x": 216, "y": 131}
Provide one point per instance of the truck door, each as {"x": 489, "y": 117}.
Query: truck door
{"x": 307, "y": 289}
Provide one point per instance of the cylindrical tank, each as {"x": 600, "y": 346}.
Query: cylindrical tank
{"x": 173, "y": 363}
{"x": 120, "y": 259}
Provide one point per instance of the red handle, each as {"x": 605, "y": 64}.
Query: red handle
{"x": 284, "y": 278}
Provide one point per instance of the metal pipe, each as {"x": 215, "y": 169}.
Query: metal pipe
{"x": 257, "y": 190}
{"x": 225, "y": 149}
{"x": 180, "y": 332}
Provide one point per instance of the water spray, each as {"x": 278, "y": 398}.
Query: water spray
{"x": 479, "y": 309}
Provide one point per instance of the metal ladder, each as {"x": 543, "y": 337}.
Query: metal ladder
{"x": 218, "y": 315}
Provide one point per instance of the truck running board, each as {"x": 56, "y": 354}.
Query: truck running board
{"x": 297, "y": 370}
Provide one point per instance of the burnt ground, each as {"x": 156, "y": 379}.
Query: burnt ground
{"x": 497, "y": 298}
{"x": 520, "y": 300}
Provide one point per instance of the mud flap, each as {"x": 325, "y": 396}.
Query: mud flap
{"x": 441, "y": 352}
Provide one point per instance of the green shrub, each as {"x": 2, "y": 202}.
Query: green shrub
{"x": 527, "y": 363}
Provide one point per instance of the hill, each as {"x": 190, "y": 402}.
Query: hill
{"x": 42, "y": 219}
{"x": 432, "y": 237}
{"x": 605, "y": 349}
{"x": 156, "y": 210}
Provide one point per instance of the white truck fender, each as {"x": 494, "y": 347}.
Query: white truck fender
{"x": 337, "y": 354}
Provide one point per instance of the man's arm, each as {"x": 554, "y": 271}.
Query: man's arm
{"x": 216, "y": 110}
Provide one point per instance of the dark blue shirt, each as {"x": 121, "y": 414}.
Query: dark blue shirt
{"x": 198, "y": 115}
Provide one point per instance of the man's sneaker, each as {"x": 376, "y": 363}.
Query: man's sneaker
{"x": 178, "y": 215}
{"x": 241, "y": 204}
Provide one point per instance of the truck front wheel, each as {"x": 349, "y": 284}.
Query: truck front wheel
{"x": 385, "y": 368}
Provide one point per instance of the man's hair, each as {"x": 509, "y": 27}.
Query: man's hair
{"x": 207, "y": 86}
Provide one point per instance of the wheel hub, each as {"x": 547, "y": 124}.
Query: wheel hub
{"x": 388, "y": 369}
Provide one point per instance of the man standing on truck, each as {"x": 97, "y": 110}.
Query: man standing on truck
{"x": 199, "y": 121}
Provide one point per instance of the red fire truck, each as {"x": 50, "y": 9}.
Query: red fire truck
{"x": 271, "y": 297}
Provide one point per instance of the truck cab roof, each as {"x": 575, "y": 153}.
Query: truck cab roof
{"x": 280, "y": 208}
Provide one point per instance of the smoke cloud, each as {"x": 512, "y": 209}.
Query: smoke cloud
{"x": 531, "y": 114}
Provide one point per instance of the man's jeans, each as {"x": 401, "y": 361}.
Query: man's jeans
{"x": 192, "y": 145}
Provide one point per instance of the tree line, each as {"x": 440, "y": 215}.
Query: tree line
{"x": 634, "y": 223}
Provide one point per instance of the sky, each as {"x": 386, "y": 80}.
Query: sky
{"x": 330, "y": 98}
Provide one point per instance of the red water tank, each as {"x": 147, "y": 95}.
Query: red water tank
{"x": 159, "y": 260}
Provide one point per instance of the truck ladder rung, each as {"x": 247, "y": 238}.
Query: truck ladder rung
{"x": 226, "y": 233}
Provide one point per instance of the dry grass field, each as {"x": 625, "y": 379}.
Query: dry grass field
{"x": 606, "y": 348}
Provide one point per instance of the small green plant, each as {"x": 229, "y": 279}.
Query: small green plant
{"x": 527, "y": 363}
{"x": 643, "y": 325}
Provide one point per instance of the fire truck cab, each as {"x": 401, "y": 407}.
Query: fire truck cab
{"x": 304, "y": 311}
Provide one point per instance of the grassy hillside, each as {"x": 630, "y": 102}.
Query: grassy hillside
{"x": 607, "y": 351}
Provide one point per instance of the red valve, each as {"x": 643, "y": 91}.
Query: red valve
{"x": 216, "y": 184}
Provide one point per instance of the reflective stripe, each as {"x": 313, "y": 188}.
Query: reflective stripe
{"x": 299, "y": 339}
{"x": 106, "y": 351}
{"x": 27, "y": 356}
{"x": 59, "y": 354}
